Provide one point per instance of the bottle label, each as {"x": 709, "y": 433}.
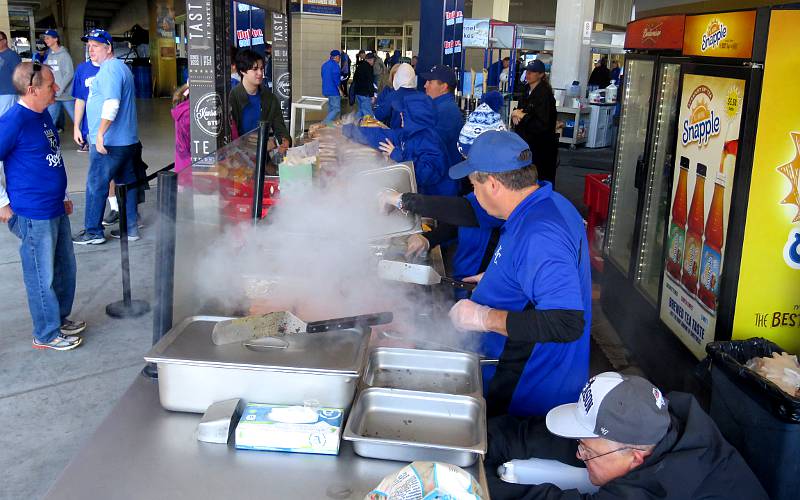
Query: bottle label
{"x": 691, "y": 258}
{"x": 711, "y": 263}
{"x": 677, "y": 238}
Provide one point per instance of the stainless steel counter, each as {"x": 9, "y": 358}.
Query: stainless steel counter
{"x": 143, "y": 451}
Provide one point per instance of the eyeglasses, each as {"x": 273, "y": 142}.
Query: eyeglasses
{"x": 582, "y": 452}
{"x": 37, "y": 66}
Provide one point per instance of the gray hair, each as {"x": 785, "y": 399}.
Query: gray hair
{"x": 515, "y": 180}
{"x": 22, "y": 77}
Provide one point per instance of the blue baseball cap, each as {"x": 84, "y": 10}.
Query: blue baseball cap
{"x": 494, "y": 151}
{"x": 98, "y": 35}
{"x": 536, "y": 66}
{"x": 52, "y": 33}
{"x": 442, "y": 73}
{"x": 335, "y": 53}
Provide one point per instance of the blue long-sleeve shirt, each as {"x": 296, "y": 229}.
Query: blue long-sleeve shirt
{"x": 331, "y": 75}
{"x": 449, "y": 122}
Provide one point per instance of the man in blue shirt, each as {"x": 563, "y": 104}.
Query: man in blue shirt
{"x": 84, "y": 75}
{"x": 331, "y": 77}
{"x": 36, "y": 208}
{"x": 113, "y": 136}
{"x": 8, "y": 61}
{"x": 535, "y": 298}
{"x": 440, "y": 82}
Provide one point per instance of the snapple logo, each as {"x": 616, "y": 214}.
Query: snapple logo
{"x": 714, "y": 34}
{"x": 703, "y": 122}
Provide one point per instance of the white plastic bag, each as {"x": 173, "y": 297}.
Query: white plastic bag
{"x": 428, "y": 481}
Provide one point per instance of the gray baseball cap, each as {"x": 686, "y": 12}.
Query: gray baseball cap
{"x": 622, "y": 408}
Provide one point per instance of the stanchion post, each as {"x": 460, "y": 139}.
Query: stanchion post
{"x": 262, "y": 157}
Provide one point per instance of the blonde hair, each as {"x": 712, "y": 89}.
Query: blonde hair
{"x": 392, "y": 73}
{"x": 181, "y": 94}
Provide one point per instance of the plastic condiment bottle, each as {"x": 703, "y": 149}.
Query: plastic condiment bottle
{"x": 694, "y": 234}
{"x": 677, "y": 228}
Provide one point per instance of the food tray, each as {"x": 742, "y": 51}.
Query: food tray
{"x": 395, "y": 424}
{"x": 424, "y": 370}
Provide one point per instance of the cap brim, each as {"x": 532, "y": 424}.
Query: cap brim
{"x": 461, "y": 170}
{"x": 561, "y": 421}
{"x": 428, "y": 76}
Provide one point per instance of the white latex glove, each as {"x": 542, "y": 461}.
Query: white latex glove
{"x": 388, "y": 200}
{"x": 474, "y": 279}
{"x": 469, "y": 316}
{"x": 417, "y": 245}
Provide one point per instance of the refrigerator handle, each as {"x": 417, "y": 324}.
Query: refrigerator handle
{"x": 638, "y": 180}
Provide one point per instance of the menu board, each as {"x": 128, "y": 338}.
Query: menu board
{"x": 768, "y": 296}
{"x": 706, "y": 153}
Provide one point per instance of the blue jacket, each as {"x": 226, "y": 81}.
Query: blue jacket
{"x": 385, "y": 108}
{"x": 416, "y": 142}
{"x": 331, "y": 77}
{"x": 449, "y": 121}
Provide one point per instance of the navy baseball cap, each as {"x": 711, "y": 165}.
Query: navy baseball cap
{"x": 494, "y": 151}
{"x": 52, "y": 33}
{"x": 442, "y": 73}
{"x": 535, "y": 66}
{"x": 97, "y": 35}
{"x": 370, "y": 55}
{"x": 335, "y": 53}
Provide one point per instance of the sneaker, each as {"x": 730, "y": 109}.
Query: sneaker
{"x": 131, "y": 237}
{"x": 111, "y": 218}
{"x": 83, "y": 149}
{"x": 83, "y": 238}
{"x": 72, "y": 328}
{"x": 60, "y": 343}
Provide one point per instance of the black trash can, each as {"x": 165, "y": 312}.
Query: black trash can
{"x": 755, "y": 416}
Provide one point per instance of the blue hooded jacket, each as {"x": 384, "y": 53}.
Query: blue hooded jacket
{"x": 386, "y": 106}
{"x": 331, "y": 77}
{"x": 449, "y": 121}
{"x": 416, "y": 141}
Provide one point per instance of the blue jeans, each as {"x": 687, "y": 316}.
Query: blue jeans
{"x": 55, "y": 111}
{"x": 48, "y": 269}
{"x": 334, "y": 108}
{"x": 117, "y": 165}
{"x": 364, "y": 106}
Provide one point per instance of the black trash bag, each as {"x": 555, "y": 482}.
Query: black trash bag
{"x": 731, "y": 357}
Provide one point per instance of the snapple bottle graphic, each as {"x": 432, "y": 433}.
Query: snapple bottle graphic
{"x": 694, "y": 234}
{"x": 677, "y": 228}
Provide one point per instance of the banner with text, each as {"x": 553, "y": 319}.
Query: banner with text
{"x": 281, "y": 76}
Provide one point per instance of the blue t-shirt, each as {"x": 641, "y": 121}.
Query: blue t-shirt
{"x": 81, "y": 83}
{"x": 36, "y": 180}
{"x": 113, "y": 81}
{"x": 542, "y": 260}
{"x": 251, "y": 113}
{"x": 8, "y": 61}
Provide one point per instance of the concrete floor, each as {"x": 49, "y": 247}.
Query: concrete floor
{"x": 51, "y": 402}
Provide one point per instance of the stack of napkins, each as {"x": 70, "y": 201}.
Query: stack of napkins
{"x": 296, "y": 429}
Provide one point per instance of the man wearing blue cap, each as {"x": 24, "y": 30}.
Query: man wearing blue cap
{"x": 60, "y": 62}
{"x": 440, "y": 82}
{"x": 84, "y": 75}
{"x": 535, "y": 298}
{"x": 331, "y": 74}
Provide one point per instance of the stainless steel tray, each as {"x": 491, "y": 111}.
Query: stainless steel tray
{"x": 401, "y": 178}
{"x": 193, "y": 373}
{"x": 395, "y": 424}
{"x": 424, "y": 370}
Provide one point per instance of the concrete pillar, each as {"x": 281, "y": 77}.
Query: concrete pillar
{"x": 5, "y": 25}
{"x": 73, "y": 29}
{"x": 491, "y": 9}
{"x": 162, "y": 46}
{"x": 571, "y": 53}
{"x": 313, "y": 38}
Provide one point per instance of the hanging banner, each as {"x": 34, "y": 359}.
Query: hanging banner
{"x": 249, "y": 23}
{"x": 768, "y": 296}
{"x": 324, "y": 7}
{"x": 476, "y": 33}
{"x": 282, "y": 86}
{"x": 453, "y": 28}
{"x": 661, "y": 32}
{"x": 727, "y": 34}
{"x": 706, "y": 153}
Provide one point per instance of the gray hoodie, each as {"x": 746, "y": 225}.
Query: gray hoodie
{"x": 61, "y": 64}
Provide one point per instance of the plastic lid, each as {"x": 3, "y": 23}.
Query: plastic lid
{"x": 685, "y": 162}
{"x": 701, "y": 170}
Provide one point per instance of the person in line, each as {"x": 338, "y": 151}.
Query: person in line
{"x": 363, "y": 86}
{"x": 404, "y": 84}
{"x": 8, "y": 62}
{"x": 360, "y": 55}
{"x": 493, "y": 77}
{"x": 251, "y": 102}
{"x": 331, "y": 78}
{"x": 414, "y": 61}
{"x": 380, "y": 74}
{"x": 84, "y": 76}
{"x": 35, "y": 205}
{"x": 113, "y": 139}
{"x": 235, "y": 78}
{"x": 633, "y": 442}
{"x": 41, "y": 52}
{"x": 534, "y": 302}
{"x": 182, "y": 116}
{"x": 268, "y": 66}
{"x": 535, "y": 121}
{"x": 60, "y": 62}
{"x": 415, "y": 141}
{"x": 601, "y": 76}
{"x": 395, "y": 59}
{"x": 345, "y": 71}
{"x": 615, "y": 72}
{"x": 440, "y": 83}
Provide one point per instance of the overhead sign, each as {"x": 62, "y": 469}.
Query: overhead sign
{"x": 324, "y": 7}
{"x": 768, "y": 296}
{"x": 727, "y": 34}
{"x": 655, "y": 33}
{"x": 476, "y": 33}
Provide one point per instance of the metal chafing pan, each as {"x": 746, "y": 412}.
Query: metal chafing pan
{"x": 424, "y": 370}
{"x": 193, "y": 373}
{"x": 401, "y": 178}
{"x": 394, "y": 424}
